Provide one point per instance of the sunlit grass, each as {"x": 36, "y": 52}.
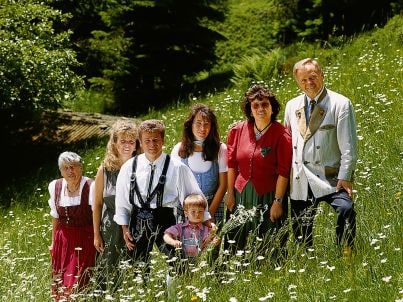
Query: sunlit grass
{"x": 370, "y": 73}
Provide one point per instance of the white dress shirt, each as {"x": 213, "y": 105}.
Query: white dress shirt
{"x": 180, "y": 182}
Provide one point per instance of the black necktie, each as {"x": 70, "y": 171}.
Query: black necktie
{"x": 151, "y": 179}
{"x": 312, "y": 104}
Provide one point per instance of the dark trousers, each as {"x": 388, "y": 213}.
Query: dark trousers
{"x": 303, "y": 213}
{"x": 146, "y": 233}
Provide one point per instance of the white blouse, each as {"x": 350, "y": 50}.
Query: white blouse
{"x": 66, "y": 201}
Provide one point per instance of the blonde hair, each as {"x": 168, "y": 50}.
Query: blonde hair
{"x": 122, "y": 127}
{"x": 195, "y": 200}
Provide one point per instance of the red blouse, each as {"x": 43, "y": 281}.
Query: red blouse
{"x": 259, "y": 161}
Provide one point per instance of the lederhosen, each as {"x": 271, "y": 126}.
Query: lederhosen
{"x": 147, "y": 225}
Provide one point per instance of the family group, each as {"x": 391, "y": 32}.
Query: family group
{"x": 142, "y": 196}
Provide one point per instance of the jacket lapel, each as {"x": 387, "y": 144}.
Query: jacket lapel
{"x": 317, "y": 116}
{"x": 301, "y": 118}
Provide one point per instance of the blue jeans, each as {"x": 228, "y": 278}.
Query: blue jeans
{"x": 303, "y": 213}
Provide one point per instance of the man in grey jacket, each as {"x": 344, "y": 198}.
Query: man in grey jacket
{"x": 324, "y": 143}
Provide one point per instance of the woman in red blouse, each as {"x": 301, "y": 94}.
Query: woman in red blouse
{"x": 259, "y": 161}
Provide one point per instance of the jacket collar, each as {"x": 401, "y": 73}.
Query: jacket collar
{"x": 308, "y": 129}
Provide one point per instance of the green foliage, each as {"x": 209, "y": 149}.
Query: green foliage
{"x": 36, "y": 69}
{"x": 149, "y": 50}
{"x": 248, "y": 26}
{"x": 258, "y": 68}
{"x": 368, "y": 70}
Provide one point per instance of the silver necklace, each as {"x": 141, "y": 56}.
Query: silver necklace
{"x": 259, "y": 134}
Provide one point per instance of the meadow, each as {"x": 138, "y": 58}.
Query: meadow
{"x": 369, "y": 70}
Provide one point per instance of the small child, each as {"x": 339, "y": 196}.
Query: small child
{"x": 192, "y": 236}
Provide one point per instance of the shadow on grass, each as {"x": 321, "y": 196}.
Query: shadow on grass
{"x": 25, "y": 159}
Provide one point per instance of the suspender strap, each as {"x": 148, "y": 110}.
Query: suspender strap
{"x": 158, "y": 190}
{"x": 199, "y": 243}
{"x": 58, "y": 190}
{"x": 133, "y": 182}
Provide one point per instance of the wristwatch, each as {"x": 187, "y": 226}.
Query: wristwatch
{"x": 278, "y": 199}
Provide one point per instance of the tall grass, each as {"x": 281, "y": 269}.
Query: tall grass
{"x": 369, "y": 71}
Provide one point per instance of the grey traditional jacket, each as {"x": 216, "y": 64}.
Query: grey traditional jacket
{"x": 325, "y": 149}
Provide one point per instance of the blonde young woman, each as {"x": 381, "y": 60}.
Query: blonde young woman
{"x": 108, "y": 238}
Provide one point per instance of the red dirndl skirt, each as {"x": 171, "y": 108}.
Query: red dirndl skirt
{"x": 73, "y": 255}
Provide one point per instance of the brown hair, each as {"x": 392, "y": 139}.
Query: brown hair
{"x": 195, "y": 200}
{"x": 151, "y": 126}
{"x": 259, "y": 92}
{"x": 211, "y": 145}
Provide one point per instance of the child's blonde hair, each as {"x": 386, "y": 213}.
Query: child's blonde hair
{"x": 196, "y": 200}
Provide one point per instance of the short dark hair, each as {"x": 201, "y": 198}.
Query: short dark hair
{"x": 152, "y": 126}
{"x": 260, "y": 92}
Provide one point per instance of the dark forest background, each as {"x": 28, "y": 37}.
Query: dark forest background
{"x": 125, "y": 57}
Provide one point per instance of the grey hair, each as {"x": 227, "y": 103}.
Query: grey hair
{"x": 67, "y": 157}
{"x": 301, "y": 64}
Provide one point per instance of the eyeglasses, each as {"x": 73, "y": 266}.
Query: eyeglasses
{"x": 264, "y": 105}
{"x": 70, "y": 167}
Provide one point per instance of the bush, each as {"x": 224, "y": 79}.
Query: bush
{"x": 36, "y": 70}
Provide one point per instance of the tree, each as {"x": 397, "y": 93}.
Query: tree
{"x": 35, "y": 60}
{"x": 161, "y": 45}
{"x": 36, "y": 73}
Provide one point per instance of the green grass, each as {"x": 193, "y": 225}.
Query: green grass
{"x": 369, "y": 71}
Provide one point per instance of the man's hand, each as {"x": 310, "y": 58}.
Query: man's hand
{"x": 127, "y": 236}
{"x": 346, "y": 185}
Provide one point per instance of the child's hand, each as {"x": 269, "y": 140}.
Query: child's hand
{"x": 213, "y": 229}
{"x": 177, "y": 243}
{"x": 216, "y": 241}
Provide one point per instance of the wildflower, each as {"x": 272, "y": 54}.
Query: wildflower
{"x": 373, "y": 241}
{"x": 384, "y": 260}
{"x": 387, "y": 278}
{"x": 347, "y": 290}
{"x": 291, "y": 286}
{"x": 269, "y": 296}
{"x": 237, "y": 219}
{"x": 331, "y": 268}
{"x": 233, "y": 299}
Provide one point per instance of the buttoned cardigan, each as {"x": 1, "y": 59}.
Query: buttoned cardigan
{"x": 259, "y": 161}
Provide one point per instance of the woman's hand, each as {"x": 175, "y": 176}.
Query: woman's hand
{"x": 276, "y": 211}
{"x": 98, "y": 243}
{"x": 230, "y": 201}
